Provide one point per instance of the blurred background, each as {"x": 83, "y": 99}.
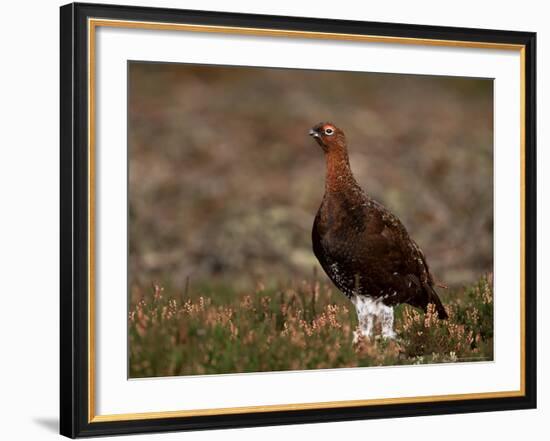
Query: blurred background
{"x": 225, "y": 181}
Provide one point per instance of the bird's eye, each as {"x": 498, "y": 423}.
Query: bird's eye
{"x": 329, "y": 131}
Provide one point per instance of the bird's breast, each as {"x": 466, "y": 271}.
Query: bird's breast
{"x": 341, "y": 221}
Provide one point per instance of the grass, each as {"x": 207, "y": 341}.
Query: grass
{"x": 300, "y": 326}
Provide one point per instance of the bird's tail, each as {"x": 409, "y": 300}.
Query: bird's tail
{"x": 434, "y": 298}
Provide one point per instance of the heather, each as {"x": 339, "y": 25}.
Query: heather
{"x": 306, "y": 325}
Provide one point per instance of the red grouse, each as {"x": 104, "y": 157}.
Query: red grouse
{"x": 365, "y": 249}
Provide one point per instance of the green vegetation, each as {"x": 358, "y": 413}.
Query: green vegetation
{"x": 296, "y": 327}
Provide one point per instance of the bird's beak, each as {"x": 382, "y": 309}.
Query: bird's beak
{"x": 314, "y": 133}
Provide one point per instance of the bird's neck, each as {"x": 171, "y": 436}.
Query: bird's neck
{"x": 338, "y": 171}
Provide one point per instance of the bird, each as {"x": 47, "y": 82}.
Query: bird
{"x": 364, "y": 248}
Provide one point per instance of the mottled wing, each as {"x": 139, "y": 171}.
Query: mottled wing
{"x": 374, "y": 257}
{"x": 391, "y": 264}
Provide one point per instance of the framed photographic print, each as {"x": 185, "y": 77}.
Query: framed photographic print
{"x": 272, "y": 220}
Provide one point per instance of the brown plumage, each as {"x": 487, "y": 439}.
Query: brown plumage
{"x": 365, "y": 249}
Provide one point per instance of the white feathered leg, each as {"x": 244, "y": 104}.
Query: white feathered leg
{"x": 386, "y": 320}
{"x": 369, "y": 309}
{"x": 365, "y": 317}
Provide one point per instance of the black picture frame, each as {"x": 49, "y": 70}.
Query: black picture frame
{"x": 74, "y": 325}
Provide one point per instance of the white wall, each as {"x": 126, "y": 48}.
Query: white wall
{"x": 29, "y": 215}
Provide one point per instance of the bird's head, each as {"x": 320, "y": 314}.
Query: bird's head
{"x": 328, "y": 136}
